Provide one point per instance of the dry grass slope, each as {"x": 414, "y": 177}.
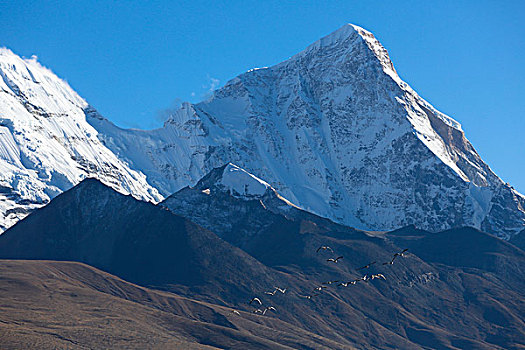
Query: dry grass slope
{"x": 69, "y": 305}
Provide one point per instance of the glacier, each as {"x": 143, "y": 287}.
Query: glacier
{"x": 334, "y": 129}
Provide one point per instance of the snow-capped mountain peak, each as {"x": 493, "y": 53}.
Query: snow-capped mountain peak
{"x": 46, "y": 145}
{"x": 234, "y": 181}
{"x": 42, "y": 89}
{"x": 336, "y": 130}
{"x": 333, "y": 128}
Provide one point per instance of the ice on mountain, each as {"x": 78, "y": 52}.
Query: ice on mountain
{"x": 333, "y": 129}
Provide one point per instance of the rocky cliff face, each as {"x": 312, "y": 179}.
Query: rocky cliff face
{"x": 335, "y": 130}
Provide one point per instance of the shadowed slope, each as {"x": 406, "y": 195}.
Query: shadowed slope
{"x": 422, "y": 303}
{"x": 135, "y": 240}
{"x": 441, "y": 271}
{"x": 519, "y": 240}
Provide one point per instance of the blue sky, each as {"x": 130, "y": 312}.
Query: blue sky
{"x": 133, "y": 60}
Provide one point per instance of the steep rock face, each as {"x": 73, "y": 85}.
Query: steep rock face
{"x": 46, "y": 145}
{"x": 335, "y": 130}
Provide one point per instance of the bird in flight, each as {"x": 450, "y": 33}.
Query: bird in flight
{"x": 269, "y": 308}
{"x": 235, "y": 312}
{"x": 320, "y": 288}
{"x": 364, "y": 278}
{"x": 255, "y": 300}
{"x": 345, "y": 284}
{"x": 324, "y": 247}
{"x": 391, "y": 262}
{"x": 402, "y": 252}
{"x": 378, "y": 275}
{"x": 309, "y": 296}
{"x": 329, "y": 282}
{"x": 366, "y": 266}
{"x": 276, "y": 290}
{"x": 257, "y": 311}
{"x": 334, "y": 260}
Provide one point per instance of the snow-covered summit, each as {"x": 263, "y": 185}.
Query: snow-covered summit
{"x": 337, "y": 131}
{"x": 334, "y": 129}
{"x": 46, "y": 145}
{"x": 345, "y": 37}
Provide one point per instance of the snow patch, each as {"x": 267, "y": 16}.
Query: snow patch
{"x": 241, "y": 183}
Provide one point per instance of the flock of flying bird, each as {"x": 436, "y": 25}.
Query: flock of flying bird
{"x": 255, "y": 301}
{"x": 365, "y": 278}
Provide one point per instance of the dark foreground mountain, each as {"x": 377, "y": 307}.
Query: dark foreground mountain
{"x": 135, "y": 240}
{"x": 430, "y": 299}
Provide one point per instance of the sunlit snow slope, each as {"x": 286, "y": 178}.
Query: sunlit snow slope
{"x": 335, "y": 130}
{"x": 46, "y": 145}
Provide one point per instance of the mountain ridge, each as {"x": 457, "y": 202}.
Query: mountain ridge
{"x": 418, "y": 304}
{"x": 333, "y": 129}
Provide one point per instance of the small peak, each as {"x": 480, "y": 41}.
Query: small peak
{"x": 90, "y": 182}
{"x": 370, "y": 40}
{"x": 92, "y": 186}
{"x": 186, "y": 105}
{"x": 379, "y": 51}
{"x": 346, "y": 38}
{"x": 343, "y": 32}
{"x": 240, "y": 182}
{"x": 234, "y": 180}
{"x": 339, "y": 36}
{"x": 210, "y": 179}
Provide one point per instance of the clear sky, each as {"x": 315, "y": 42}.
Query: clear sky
{"x": 133, "y": 60}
